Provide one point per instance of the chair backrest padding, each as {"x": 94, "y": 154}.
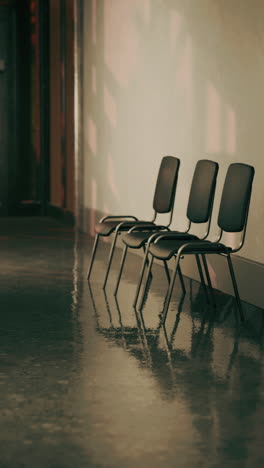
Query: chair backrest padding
{"x": 202, "y": 191}
{"x": 166, "y": 184}
{"x": 236, "y": 197}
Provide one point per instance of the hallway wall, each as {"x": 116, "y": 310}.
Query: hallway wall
{"x": 176, "y": 77}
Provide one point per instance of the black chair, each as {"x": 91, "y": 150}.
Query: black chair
{"x": 163, "y": 202}
{"x": 232, "y": 218}
{"x": 199, "y": 211}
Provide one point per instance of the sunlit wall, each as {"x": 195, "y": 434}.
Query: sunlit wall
{"x": 179, "y": 77}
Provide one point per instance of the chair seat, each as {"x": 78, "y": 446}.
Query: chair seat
{"x": 107, "y": 227}
{"x": 135, "y": 240}
{"x": 165, "y": 249}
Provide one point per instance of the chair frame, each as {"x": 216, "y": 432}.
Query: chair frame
{"x": 177, "y": 235}
{"x": 121, "y": 227}
{"x": 201, "y": 248}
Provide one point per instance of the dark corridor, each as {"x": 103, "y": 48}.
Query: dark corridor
{"x": 20, "y": 108}
{"x": 36, "y": 108}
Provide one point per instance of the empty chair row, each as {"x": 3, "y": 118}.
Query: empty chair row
{"x": 199, "y": 208}
{"x": 159, "y": 242}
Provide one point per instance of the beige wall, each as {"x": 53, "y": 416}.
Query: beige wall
{"x": 180, "y": 77}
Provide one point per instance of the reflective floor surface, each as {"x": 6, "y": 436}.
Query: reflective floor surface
{"x": 86, "y": 381}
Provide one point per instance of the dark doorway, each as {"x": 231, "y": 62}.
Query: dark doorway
{"x": 36, "y": 107}
{"x": 24, "y": 112}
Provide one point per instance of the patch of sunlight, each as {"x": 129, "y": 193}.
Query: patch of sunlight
{"x": 111, "y": 176}
{"x": 110, "y": 107}
{"x": 92, "y": 136}
{"x": 121, "y": 57}
{"x": 94, "y": 86}
{"x": 231, "y": 130}
{"x": 175, "y": 28}
{"x": 213, "y": 121}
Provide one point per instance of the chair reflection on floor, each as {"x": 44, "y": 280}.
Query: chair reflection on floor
{"x": 156, "y": 348}
{"x": 201, "y": 380}
{"x": 139, "y": 341}
{"x": 202, "y": 343}
{"x": 126, "y": 336}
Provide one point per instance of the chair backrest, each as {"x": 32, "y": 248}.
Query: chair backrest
{"x": 166, "y": 184}
{"x": 202, "y": 191}
{"x": 235, "y": 199}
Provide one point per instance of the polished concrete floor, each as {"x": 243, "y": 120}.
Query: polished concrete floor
{"x": 86, "y": 381}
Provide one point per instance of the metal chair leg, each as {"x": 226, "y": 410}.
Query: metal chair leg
{"x": 202, "y": 277}
{"x": 208, "y": 278}
{"x": 232, "y": 274}
{"x": 121, "y": 269}
{"x": 181, "y": 280}
{"x": 180, "y": 276}
{"x": 166, "y": 270}
{"x": 111, "y": 254}
{"x": 144, "y": 263}
{"x": 96, "y": 240}
{"x": 145, "y": 248}
{"x": 178, "y": 316}
{"x": 147, "y": 279}
{"x": 169, "y": 293}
